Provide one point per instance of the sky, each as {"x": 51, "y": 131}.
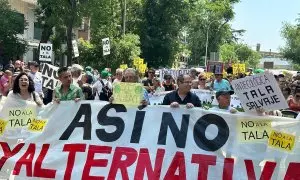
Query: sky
{"x": 263, "y": 21}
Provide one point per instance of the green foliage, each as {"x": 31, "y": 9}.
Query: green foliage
{"x": 123, "y": 51}
{"x": 160, "y": 29}
{"x": 291, "y": 50}
{"x": 11, "y": 24}
{"x": 240, "y": 53}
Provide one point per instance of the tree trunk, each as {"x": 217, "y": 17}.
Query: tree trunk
{"x": 70, "y": 25}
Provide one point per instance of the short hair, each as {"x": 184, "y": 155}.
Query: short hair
{"x": 180, "y": 78}
{"x": 131, "y": 70}
{"x": 119, "y": 70}
{"x": 62, "y": 70}
{"x": 16, "y": 87}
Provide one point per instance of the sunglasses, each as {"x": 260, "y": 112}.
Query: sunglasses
{"x": 151, "y": 72}
{"x": 297, "y": 96}
{"x": 202, "y": 79}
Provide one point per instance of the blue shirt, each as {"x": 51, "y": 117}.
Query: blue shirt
{"x": 223, "y": 85}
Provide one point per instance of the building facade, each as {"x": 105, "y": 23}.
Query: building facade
{"x": 33, "y": 31}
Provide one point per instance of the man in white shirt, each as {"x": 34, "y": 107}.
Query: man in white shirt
{"x": 36, "y": 76}
{"x": 102, "y": 83}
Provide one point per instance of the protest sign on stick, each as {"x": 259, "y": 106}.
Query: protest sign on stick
{"x": 259, "y": 91}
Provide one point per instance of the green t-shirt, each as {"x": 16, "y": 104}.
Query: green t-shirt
{"x": 73, "y": 93}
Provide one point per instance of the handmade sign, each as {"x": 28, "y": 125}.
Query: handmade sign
{"x": 45, "y": 52}
{"x": 259, "y": 91}
{"x": 129, "y": 94}
{"x": 50, "y": 76}
{"x": 96, "y": 140}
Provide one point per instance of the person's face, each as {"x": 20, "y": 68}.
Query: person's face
{"x": 193, "y": 73}
{"x": 24, "y": 82}
{"x": 186, "y": 85}
{"x": 219, "y": 77}
{"x": 151, "y": 74}
{"x": 224, "y": 100}
{"x": 130, "y": 77}
{"x": 84, "y": 78}
{"x": 119, "y": 75}
{"x": 17, "y": 65}
{"x": 202, "y": 80}
{"x": 65, "y": 78}
{"x": 34, "y": 69}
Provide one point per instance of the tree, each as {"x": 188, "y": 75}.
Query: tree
{"x": 162, "y": 23}
{"x": 239, "y": 53}
{"x": 62, "y": 14}
{"x": 10, "y": 45}
{"x": 291, "y": 34}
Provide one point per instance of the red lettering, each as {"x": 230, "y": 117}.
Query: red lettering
{"x": 118, "y": 163}
{"x": 72, "y": 149}
{"x": 144, "y": 164}
{"x": 292, "y": 171}
{"x": 177, "y": 162}
{"x": 8, "y": 153}
{"x": 266, "y": 173}
{"x": 204, "y": 161}
{"x": 38, "y": 170}
{"x": 228, "y": 169}
{"x": 26, "y": 160}
{"x": 91, "y": 162}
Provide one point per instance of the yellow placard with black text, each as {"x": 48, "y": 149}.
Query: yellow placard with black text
{"x": 282, "y": 141}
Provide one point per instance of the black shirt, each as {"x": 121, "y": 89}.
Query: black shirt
{"x": 174, "y": 97}
{"x": 169, "y": 87}
{"x": 147, "y": 82}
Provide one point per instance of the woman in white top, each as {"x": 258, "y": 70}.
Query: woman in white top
{"x": 23, "y": 89}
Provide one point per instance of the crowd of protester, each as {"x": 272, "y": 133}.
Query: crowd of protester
{"x": 24, "y": 81}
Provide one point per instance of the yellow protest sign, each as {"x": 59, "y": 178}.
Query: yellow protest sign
{"x": 235, "y": 68}
{"x": 129, "y": 94}
{"x": 242, "y": 68}
{"x": 142, "y": 68}
{"x": 253, "y": 130}
{"x": 282, "y": 141}
{"x": 123, "y": 66}
{"x": 37, "y": 125}
{"x": 138, "y": 61}
{"x": 3, "y": 124}
{"x": 20, "y": 117}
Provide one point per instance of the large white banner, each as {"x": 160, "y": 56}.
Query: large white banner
{"x": 206, "y": 97}
{"x": 93, "y": 140}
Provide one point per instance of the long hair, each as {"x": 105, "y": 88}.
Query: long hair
{"x": 16, "y": 87}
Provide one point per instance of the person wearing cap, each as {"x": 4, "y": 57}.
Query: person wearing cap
{"x": 224, "y": 99}
{"x": 182, "y": 96}
{"x": 36, "y": 76}
{"x": 220, "y": 84}
{"x": 102, "y": 89}
{"x": 67, "y": 91}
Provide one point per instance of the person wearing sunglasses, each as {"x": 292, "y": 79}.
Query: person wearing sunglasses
{"x": 183, "y": 95}
{"x": 294, "y": 101}
{"x": 202, "y": 82}
{"x": 148, "y": 83}
{"x": 168, "y": 84}
{"x": 220, "y": 84}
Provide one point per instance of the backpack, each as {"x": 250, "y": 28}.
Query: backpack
{"x": 106, "y": 92}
